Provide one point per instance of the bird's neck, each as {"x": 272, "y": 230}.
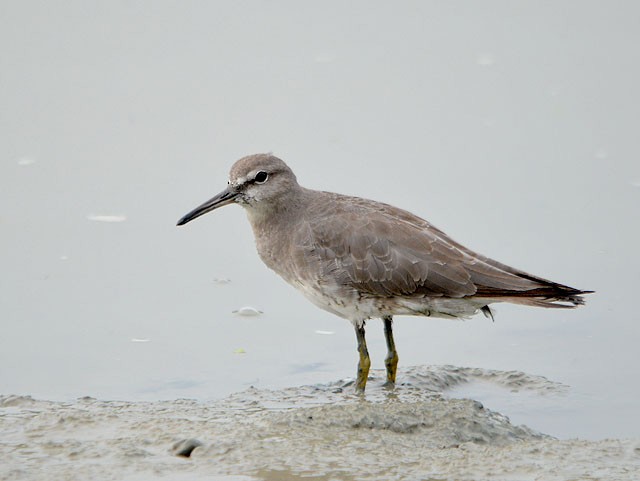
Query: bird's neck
{"x": 267, "y": 216}
{"x": 263, "y": 214}
{"x": 273, "y": 227}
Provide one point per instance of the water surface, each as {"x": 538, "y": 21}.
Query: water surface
{"x": 510, "y": 126}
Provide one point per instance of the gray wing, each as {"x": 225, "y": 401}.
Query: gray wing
{"x": 381, "y": 250}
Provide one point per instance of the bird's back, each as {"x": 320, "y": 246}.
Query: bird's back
{"x": 358, "y": 249}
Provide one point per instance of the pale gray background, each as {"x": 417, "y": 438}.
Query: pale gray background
{"x": 513, "y": 126}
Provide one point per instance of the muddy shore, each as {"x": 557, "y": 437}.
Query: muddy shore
{"x": 313, "y": 432}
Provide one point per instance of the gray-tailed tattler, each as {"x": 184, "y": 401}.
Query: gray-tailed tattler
{"x": 361, "y": 259}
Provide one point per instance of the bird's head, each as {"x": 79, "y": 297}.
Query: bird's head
{"x": 255, "y": 181}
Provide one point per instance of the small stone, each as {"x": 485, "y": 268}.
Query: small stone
{"x": 185, "y": 447}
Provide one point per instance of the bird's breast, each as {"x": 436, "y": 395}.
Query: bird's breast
{"x": 274, "y": 248}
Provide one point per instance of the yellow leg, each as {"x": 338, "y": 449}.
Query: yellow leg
{"x": 391, "y": 361}
{"x": 365, "y": 363}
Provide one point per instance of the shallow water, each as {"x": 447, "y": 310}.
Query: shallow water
{"x": 511, "y": 127}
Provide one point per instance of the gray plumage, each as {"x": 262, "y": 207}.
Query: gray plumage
{"x": 362, "y": 259}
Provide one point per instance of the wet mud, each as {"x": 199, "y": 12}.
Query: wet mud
{"x": 323, "y": 432}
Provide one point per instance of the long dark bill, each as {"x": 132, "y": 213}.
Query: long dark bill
{"x": 223, "y": 198}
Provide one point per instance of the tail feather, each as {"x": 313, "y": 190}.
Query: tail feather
{"x": 557, "y": 303}
{"x": 548, "y": 295}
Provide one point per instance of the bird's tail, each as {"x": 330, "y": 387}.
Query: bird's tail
{"x": 551, "y": 295}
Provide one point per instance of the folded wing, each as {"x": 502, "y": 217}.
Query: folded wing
{"x": 380, "y": 250}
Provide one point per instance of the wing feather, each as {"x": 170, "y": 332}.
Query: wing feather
{"x": 380, "y": 250}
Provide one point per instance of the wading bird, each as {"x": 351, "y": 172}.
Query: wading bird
{"x": 361, "y": 259}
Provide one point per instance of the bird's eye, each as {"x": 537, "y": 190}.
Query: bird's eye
{"x": 261, "y": 177}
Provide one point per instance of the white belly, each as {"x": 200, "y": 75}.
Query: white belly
{"x": 357, "y": 308}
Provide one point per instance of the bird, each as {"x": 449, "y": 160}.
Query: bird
{"x": 360, "y": 259}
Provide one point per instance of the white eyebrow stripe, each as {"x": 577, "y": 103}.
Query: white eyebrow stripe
{"x": 239, "y": 181}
